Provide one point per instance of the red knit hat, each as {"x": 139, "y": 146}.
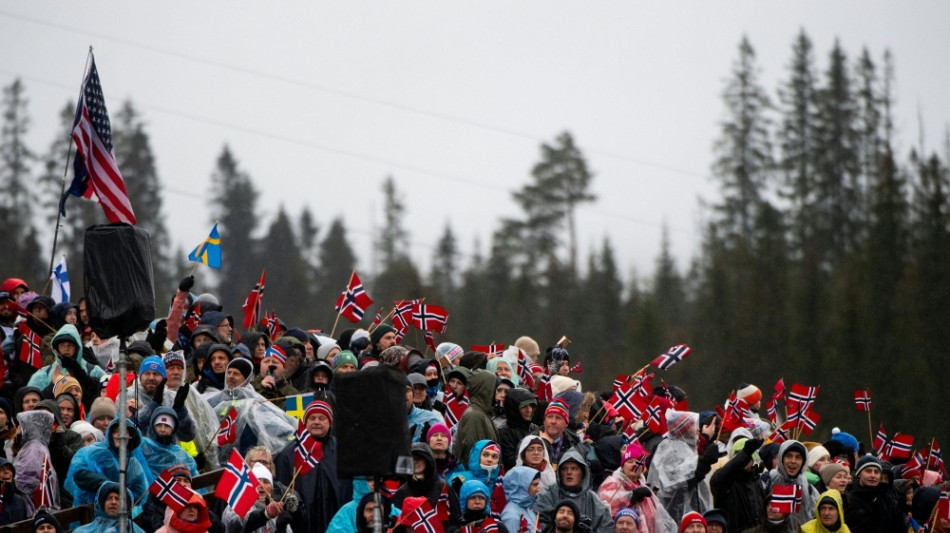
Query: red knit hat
{"x": 692, "y": 517}
{"x": 319, "y": 406}
{"x": 558, "y": 409}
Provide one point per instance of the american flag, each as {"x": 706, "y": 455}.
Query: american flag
{"x": 97, "y": 176}
{"x": 672, "y": 356}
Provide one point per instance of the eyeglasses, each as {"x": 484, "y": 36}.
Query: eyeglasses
{"x": 264, "y": 462}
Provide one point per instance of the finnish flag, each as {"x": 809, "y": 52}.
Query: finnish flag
{"x": 60, "y": 279}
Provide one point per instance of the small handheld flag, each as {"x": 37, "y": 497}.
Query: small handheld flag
{"x": 353, "y": 301}
{"x": 254, "y": 302}
{"x": 238, "y": 485}
{"x": 862, "y": 400}
{"x": 60, "y": 279}
{"x": 227, "y": 432}
{"x": 209, "y": 252}
{"x": 170, "y": 492}
{"x": 672, "y": 356}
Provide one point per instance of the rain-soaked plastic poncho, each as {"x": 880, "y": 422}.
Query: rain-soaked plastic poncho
{"x": 674, "y": 464}
{"x": 204, "y": 417}
{"x": 102, "y": 458}
{"x": 156, "y": 456}
{"x": 29, "y": 462}
{"x": 102, "y": 523}
{"x": 270, "y": 425}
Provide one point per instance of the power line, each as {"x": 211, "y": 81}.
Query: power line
{"x": 349, "y": 95}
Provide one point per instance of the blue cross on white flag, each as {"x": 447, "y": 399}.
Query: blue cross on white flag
{"x": 60, "y": 279}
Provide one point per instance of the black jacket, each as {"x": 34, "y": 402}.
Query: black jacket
{"x": 738, "y": 493}
{"x": 516, "y": 428}
{"x": 872, "y": 510}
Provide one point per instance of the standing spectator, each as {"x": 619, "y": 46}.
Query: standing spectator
{"x": 790, "y": 471}
{"x": 829, "y": 513}
{"x": 476, "y": 423}
{"x": 872, "y": 505}
{"x": 574, "y": 484}
{"x": 626, "y": 487}
{"x": 31, "y": 459}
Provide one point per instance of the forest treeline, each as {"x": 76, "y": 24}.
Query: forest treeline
{"x": 824, "y": 257}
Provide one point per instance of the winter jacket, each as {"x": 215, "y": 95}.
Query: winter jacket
{"x": 420, "y": 421}
{"x": 173, "y": 524}
{"x": 321, "y": 490}
{"x": 520, "y": 503}
{"x": 492, "y": 478}
{"x": 99, "y": 462}
{"x": 738, "y": 493}
{"x": 48, "y": 375}
{"x": 344, "y": 521}
{"x": 429, "y": 486}
{"x": 779, "y": 476}
{"x": 548, "y": 475}
{"x": 15, "y": 507}
{"x": 872, "y": 509}
{"x": 616, "y": 490}
{"x": 157, "y": 453}
{"x": 103, "y": 523}
{"x": 476, "y": 424}
{"x": 586, "y": 500}
{"x": 257, "y": 520}
{"x": 815, "y": 526}
{"x": 516, "y": 428}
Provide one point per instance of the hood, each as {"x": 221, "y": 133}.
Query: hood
{"x": 319, "y": 366}
{"x": 683, "y": 425}
{"x": 20, "y": 393}
{"x": 360, "y": 488}
{"x": 573, "y": 455}
{"x": 492, "y": 366}
{"x": 36, "y": 425}
{"x": 67, "y": 333}
{"x": 834, "y": 495}
{"x": 516, "y": 483}
{"x": 471, "y": 488}
{"x": 162, "y": 410}
{"x": 513, "y": 401}
{"x": 203, "y": 520}
{"x": 474, "y": 463}
{"x": 786, "y": 446}
{"x": 481, "y": 390}
{"x": 360, "y": 520}
{"x": 134, "y": 434}
{"x": 53, "y": 407}
{"x": 104, "y": 490}
{"x": 422, "y": 450}
{"x": 58, "y": 313}
{"x": 525, "y": 442}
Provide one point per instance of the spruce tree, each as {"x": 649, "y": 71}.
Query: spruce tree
{"x": 337, "y": 262}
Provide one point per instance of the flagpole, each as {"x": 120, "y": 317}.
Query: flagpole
{"x": 385, "y": 318}
{"x": 870, "y": 428}
{"x": 290, "y": 486}
{"x": 340, "y": 310}
{"x": 929, "y": 454}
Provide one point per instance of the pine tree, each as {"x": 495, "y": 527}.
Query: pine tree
{"x": 234, "y": 203}
{"x": 337, "y": 262}
{"x": 393, "y": 241}
{"x": 21, "y": 255}
{"x": 288, "y": 291}
{"x": 744, "y": 151}
{"x": 445, "y": 268}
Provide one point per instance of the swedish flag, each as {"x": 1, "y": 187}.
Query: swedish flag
{"x": 208, "y": 252}
{"x": 295, "y": 406}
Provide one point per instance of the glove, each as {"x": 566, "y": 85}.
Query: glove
{"x": 423, "y": 434}
{"x": 750, "y": 446}
{"x": 273, "y": 509}
{"x": 180, "y": 397}
{"x": 159, "y": 395}
{"x": 72, "y": 365}
{"x": 640, "y": 494}
{"x": 711, "y": 453}
{"x": 186, "y": 284}
{"x": 457, "y": 483}
{"x": 156, "y": 338}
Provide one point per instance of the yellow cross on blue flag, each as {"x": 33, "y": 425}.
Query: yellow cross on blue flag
{"x": 208, "y": 252}
{"x": 295, "y": 406}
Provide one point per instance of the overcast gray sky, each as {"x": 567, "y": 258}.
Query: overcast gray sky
{"x": 320, "y": 101}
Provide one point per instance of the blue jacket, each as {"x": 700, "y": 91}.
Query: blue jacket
{"x": 100, "y": 462}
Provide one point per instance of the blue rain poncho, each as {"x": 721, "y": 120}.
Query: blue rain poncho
{"x": 99, "y": 462}
{"x": 159, "y": 453}
{"x": 103, "y": 523}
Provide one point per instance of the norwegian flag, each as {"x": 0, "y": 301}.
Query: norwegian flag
{"x": 442, "y": 506}
{"x": 800, "y": 399}
{"x": 577, "y": 368}
{"x": 238, "y": 485}
{"x": 254, "y": 303}
{"x": 641, "y": 383}
{"x": 779, "y": 390}
{"x": 543, "y": 391}
{"x": 402, "y": 313}
{"x": 651, "y": 415}
{"x": 783, "y": 432}
{"x": 97, "y": 175}
{"x": 490, "y": 349}
{"x": 935, "y": 462}
{"x": 429, "y": 340}
{"x": 620, "y": 381}
{"x": 427, "y": 317}
{"x": 943, "y": 507}
{"x": 880, "y": 439}
{"x": 30, "y": 344}
{"x": 379, "y": 316}
{"x": 770, "y": 410}
{"x": 862, "y": 400}
{"x": 389, "y": 488}
{"x": 628, "y": 403}
{"x": 900, "y": 446}
{"x": 193, "y": 318}
{"x": 307, "y": 450}
{"x": 672, "y": 356}
{"x": 423, "y": 519}
{"x": 523, "y": 525}
{"x": 353, "y": 301}
{"x": 488, "y": 525}
{"x": 808, "y": 421}
{"x": 227, "y": 432}
{"x": 785, "y": 499}
{"x": 629, "y": 431}
{"x": 400, "y": 333}
{"x": 272, "y": 324}
{"x": 43, "y": 493}
{"x": 170, "y": 492}
{"x": 912, "y": 467}
{"x": 454, "y": 408}
{"x": 524, "y": 370}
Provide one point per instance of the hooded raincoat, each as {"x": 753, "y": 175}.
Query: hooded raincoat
{"x": 48, "y": 375}
{"x": 586, "y": 500}
{"x": 815, "y": 526}
{"x": 548, "y": 475}
{"x": 476, "y": 424}
{"x": 158, "y": 453}
{"x": 520, "y": 507}
{"x": 674, "y": 465}
{"x": 779, "y": 476}
{"x": 29, "y": 463}
{"x": 344, "y": 521}
{"x": 103, "y": 523}
{"x": 99, "y": 462}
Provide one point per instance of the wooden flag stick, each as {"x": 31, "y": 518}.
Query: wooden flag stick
{"x": 290, "y": 486}
{"x": 373, "y": 327}
{"x": 564, "y": 341}
{"x": 340, "y": 310}
{"x": 929, "y": 454}
{"x": 870, "y": 428}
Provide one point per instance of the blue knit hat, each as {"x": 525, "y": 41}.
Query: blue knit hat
{"x": 153, "y": 363}
{"x": 846, "y": 439}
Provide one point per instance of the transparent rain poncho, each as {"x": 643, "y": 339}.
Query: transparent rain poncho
{"x": 674, "y": 465}
{"x": 271, "y": 425}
